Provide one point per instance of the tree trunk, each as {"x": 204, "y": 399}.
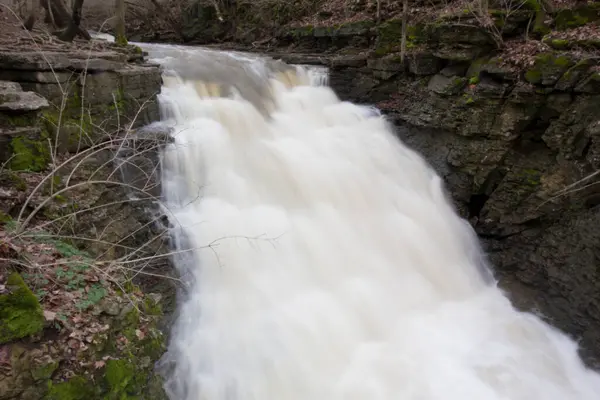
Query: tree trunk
{"x": 73, "y": 29}
{"x": 120, "y": 28}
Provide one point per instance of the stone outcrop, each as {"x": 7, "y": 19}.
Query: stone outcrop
{"x": 21, "y": 132}
{"x": 90, "y": 94}
{"x": 85, "y": 285}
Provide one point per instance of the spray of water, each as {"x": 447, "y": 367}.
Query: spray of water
{"x": 328, "y": 263}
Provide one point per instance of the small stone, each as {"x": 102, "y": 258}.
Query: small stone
{"x": 110, "y": 307}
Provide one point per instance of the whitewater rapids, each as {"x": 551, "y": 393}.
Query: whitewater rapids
{"x": 327, "y": 262}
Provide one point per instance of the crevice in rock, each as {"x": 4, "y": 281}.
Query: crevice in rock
{"x": 476, "y": 203}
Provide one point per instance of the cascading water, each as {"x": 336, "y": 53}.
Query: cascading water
{"x": 326, "y": 261}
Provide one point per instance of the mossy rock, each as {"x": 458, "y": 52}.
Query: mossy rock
{"x": 590, "y": 85}
{"x": 18, "y": 120}
{"x": 76, "y": 388}
{"x": 548, "y": 68}
{"x": 574, "y": 75}
{"x": 389, "y": 37}
{"x": 453, "y": 33}
{"x": 447, "y": 86}
{"x": 129, "y": 373}
{"x": 492, "y": 66}
{"x": 302, "y": 31}
{"x": 24, "y": 146}
{"x": 574, "y": 17}
{"x": 564, "y": 44}
{"x": 30, "y": 153}
{"x": 556, "y": 43}
{"x": 20, "y": 312}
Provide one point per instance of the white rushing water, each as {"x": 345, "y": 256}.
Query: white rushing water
{"x": 328, "y": 263}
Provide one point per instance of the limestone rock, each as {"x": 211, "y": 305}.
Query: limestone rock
{"x": 457, "y": 52}
{"x": 12, "y": 98}
{"x": 22, "y": 142}
{"x": 460, "y": 32}
{"x": 443, "y": 85}
{"x": 548, "y": 69}
{"x": 455, "y": 69}
{"x": 424, "y": 64}
{"x": 590, "y": 85}
{"x": 574, "y": 74}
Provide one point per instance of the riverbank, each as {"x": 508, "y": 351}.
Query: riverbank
{"x": 85, "y": 284}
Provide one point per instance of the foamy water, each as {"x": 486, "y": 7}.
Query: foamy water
{"x": 328, "y": 263}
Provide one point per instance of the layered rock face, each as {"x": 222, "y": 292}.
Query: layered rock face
{"x": 515, "y": 133}
{"x": 90, "y": 94}
{"x": 84, "y": 282}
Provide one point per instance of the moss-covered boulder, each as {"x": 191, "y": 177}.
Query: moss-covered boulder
{"x": 20, "y": 312}
{"x": 558, "y": 42}
{"x": 23, "y": 143}
{"x": 574, "y": 17}
{"x": 548, "y": 68}
{"x": 574, "y": 74}
{"x": 590, "y": 85}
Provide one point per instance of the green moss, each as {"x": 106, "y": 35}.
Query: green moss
{"x": 30, "y": 154}
{"x": 533, "y": 76}
{"x": 548, "y": 67}
{"x": 76, "y": 388}
{"x": 121, "y": 40}
{"x": 531, "y": 176}
{"x": 118, "y": 374}
{"x": 151, "y": 307}
{"x": 476, "y": 66}
{"x": 4, "y": 218}
{"x": 540, "y": 26}
{"x": 559, "y": 44}
{"x": 468, "y": 99}
{"x": 534, "y": 5}
{"x": 302, "y": 31}
{"x": 562, "y": 61}
{"x": 579, "y": 16}
{"x": 20, "y": 312}
{"x": 44, "y": 372}
{"x": 474, "y": 80}
{"x": 70, "y": 124}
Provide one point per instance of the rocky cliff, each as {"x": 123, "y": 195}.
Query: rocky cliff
{"x": 85, "y": 286}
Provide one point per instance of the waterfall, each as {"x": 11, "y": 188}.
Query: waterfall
{"x": 322, "y": 257}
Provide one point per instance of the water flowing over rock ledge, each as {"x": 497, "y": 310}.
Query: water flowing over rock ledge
{"x": 513, "y": 132}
